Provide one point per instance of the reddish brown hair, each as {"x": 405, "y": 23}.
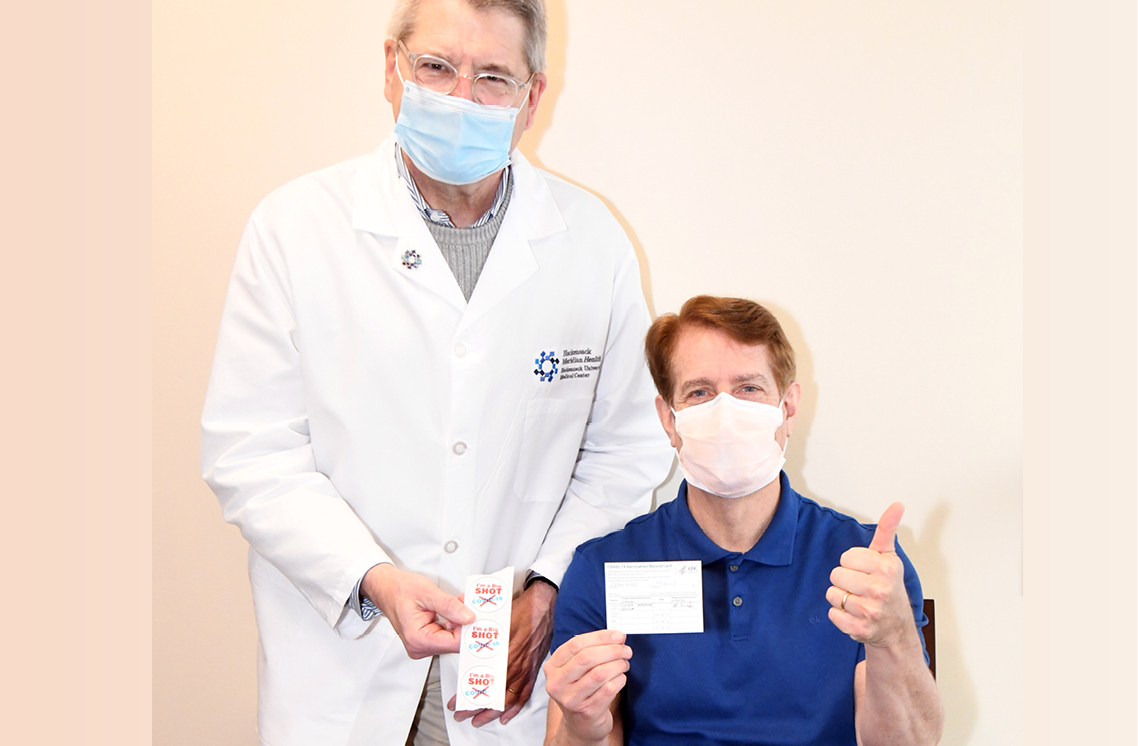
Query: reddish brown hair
{"x": 742, "y": 320}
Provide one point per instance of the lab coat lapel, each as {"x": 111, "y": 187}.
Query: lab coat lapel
{"x": 383, "y": 206}
{"x": 531, "y": 215}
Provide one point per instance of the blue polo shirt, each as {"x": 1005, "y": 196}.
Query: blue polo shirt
{"x": 770, "y": 667}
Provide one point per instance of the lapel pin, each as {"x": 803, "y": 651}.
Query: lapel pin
{"x": 411, "y": 259}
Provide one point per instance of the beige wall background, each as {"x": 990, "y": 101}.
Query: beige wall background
{"x": 858, "y": 167}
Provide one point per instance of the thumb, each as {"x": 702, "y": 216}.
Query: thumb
{"x": 452, "y": 609}
{"x": 887, "y": 528}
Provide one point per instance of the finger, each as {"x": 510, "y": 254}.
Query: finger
{"x": 431, "y": 639}
{"x": 591, "y": 659}
{"x": 571, "y": 647}
{"x": 463, "y": 715}
{"x": 838, "y": 599}
{"x": 864, "y": 560}
{"x": 516, "y": 699}
{"x": 453, "y": 702}
{"x": 512, "y": 711}
{"x": 485, "y": 716}
{"x": 850, "y": 580}
{"x": 450, "y": 608}
{"x": 844, "y": 621}
{"x": 572, "y": 693}
{"x": 886, "y": 532}
{"x": 602, "y": 697}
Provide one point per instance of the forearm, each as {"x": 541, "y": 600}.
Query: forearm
{"x": 900, "y": 704}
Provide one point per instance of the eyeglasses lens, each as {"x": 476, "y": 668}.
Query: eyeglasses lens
{"x": 435, "y": 74}
{"x": 438, "y": 75}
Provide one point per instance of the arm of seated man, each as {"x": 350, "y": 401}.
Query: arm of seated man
{"x": 584, "y": 678}
{"x": 896, "y": 699}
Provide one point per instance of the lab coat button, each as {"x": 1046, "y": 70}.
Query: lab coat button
{"x": 450, "y": 547}
{"x": 459, "y": 448}
{"x": 460, "y": 350}
{"x": 738, "y": 601}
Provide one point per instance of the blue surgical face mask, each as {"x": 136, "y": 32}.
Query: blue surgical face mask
{"x": 452, "y": 139}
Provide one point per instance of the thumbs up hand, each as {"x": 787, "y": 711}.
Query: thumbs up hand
{"x": 867, "y": 597}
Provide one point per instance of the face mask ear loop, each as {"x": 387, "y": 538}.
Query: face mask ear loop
{"x": 399, "y": 72}
{"x": 781, "y": 404}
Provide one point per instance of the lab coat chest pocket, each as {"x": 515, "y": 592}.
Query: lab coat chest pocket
{"x": 551, "y": 440}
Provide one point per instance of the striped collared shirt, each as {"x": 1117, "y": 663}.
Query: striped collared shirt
{"x": 438, "y": 216}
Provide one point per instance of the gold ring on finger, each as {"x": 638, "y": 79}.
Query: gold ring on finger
{"x": 844, "y": 598}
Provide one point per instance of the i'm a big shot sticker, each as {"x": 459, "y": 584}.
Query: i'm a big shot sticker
{"x": 486, "y": 639}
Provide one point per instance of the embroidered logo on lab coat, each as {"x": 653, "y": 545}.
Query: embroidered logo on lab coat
{"x": 411, "y": 259}
{"x": 570, "y": 363}
{"x": 546, "y": 366}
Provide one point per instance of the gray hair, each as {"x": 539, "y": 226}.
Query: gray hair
{"x": 530, "y": 12}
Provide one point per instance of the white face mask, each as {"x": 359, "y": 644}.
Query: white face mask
{"x": 729, "y": 447}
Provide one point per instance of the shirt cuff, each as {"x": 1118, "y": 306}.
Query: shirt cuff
{"x": 362, "y": 605}
{"x": 532, "y": 577}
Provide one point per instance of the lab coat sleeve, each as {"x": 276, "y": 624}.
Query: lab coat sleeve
{"x": 625, "y": 453}
{"x": 256, "y": 452}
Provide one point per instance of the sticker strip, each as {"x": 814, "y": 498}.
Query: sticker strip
{"x": 485, "y": 648}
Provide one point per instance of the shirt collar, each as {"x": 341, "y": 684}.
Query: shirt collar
{"x": 775, "y": 547}
{"x": 438, "y": 216}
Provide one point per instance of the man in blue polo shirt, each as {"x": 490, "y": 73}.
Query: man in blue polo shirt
{"x": 811, "y": 619}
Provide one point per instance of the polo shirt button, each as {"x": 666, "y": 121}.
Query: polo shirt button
{"x": 735, "y": 568}
{"x": 450, "y": 547}
{"x": 459, "y": 448}
{"x": 738, "y": 601}
{"x": 460, "y": 350}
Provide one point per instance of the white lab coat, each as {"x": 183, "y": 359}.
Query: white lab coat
{"x": 361, "y": 411}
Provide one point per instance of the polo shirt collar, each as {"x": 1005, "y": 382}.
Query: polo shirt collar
{"x": 775, "y": 547}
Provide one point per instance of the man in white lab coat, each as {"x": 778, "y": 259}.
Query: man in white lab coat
{"x": 429, "y": 366}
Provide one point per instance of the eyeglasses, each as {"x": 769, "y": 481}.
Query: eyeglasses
{"x": 439, "y": 75}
